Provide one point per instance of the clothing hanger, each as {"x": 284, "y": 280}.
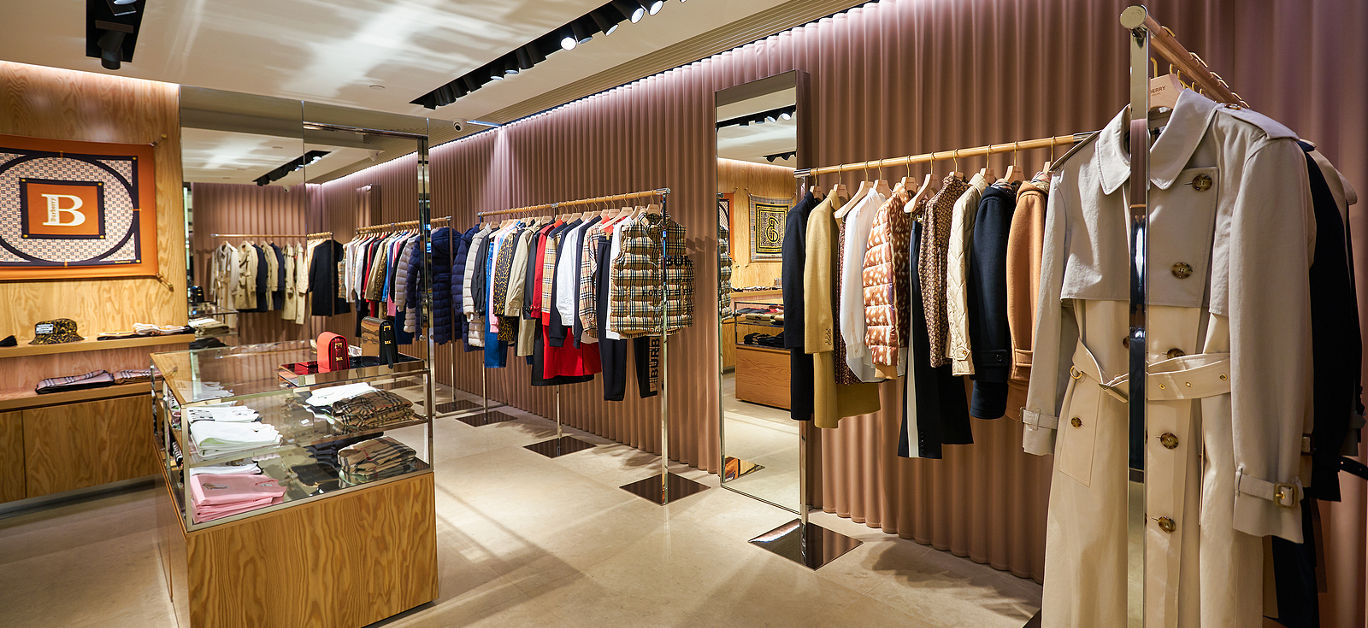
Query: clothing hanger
{"x": 924, "y": 191}
{"x": 881, "y": 186}
{"x": 955, "y": 171}
{"x": 906, "y": 184}
{"x": 1013, "y": 172}
{"x": 1164, "y": 90}
{"x": 865, "y": 187}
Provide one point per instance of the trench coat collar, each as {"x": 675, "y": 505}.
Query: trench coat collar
{"x": 1170, "y": 153}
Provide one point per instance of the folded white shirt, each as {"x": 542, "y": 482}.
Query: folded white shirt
{"x": 239, "y": 414}
{"x": 227, "y": 469}
{"x": 334, "y": 394}
{"x": 214, "y": 437}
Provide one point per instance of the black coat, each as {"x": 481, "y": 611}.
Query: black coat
{"x": 791, "y": 280}
{"x": 323, "y": 280}
{"x": 987, "y": 302}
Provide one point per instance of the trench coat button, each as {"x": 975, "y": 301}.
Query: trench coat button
{"x": 1166, "y": 524}
{"x": 1182, "y": 270}
{"x": 1076, "y": 422}
{"x": 1175, "y": 353}
{"x": 1201, "y": 182}
{"x": 1168, "y": 440}
{"x": 1125, "y": 341}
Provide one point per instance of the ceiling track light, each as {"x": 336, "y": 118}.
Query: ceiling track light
{"x": 655, "y": 6}
{"x": 631, "y": 9}
{"x": 604, "y": 24}
{"x": 112, "y": 30}
{"x": 604, "y": 19}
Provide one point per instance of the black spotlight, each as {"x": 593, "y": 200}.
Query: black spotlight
{"x": 111, "y": 49}
{"x": 630, "y": 8}
{"x": 112, "y": 30}
{"x": 604, "y": 22}
{"x": 654, "y": 6}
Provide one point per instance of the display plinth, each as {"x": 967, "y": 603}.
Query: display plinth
{"x": 810, "y": 545}
{"x": 663, "y": 489}
{"x": 558, "y": 447}
{"x": 349, "y": 559}
{"x": 477, "y": 419}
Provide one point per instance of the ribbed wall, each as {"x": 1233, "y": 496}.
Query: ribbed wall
{"x": 893, "y": 78}
{"x": 239, "y": 208}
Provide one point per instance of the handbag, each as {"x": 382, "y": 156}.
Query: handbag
{"x": 332, "y": 353}
{"x": 377, "y": 339}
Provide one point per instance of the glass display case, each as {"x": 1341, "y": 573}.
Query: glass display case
{"x": 211, "y": 321}
{"x": 243, "y": 431}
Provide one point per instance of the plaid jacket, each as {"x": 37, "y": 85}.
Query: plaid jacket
{"x": 638, "y": 296}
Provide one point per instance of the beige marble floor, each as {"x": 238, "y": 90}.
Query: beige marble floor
{"x": 530, "y": 541}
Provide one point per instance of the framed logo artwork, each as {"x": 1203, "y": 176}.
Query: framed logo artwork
{"x": 767, "y": 227}
{"x": 76, "y": 210}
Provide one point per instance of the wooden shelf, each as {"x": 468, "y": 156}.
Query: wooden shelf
{"x": 94, "y": 345}
{"x": 14, "y": 400}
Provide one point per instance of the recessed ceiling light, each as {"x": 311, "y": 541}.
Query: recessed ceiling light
{"x": 376, "y": 86}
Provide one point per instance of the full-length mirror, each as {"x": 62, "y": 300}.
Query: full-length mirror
{"x": 757, "y": 145}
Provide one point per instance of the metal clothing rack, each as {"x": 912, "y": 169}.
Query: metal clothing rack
{"x": 272, "y": 235}
{"x": 1146, "y": 38}
{"x": 395, "y": 226}
{"x": 799, "y": 540}
{"x": 662, "y": 486}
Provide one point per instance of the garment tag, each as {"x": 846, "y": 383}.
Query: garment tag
{"x": 44, "y": 328}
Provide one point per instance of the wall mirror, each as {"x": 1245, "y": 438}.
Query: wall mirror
{"x": 757, "y": 150}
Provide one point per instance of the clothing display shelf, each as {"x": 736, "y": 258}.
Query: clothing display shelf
{"x": 660, "y": 487}
{"x": 302, "y": 460}
{"x": 1148, "y": 43}
{"x": 23, "y": 350}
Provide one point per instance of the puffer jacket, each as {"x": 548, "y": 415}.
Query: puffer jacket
{"x": 458, "y": 262}
{"x": 885, "y": 276}
{"x": 441, "y": 299}
{"x": 637, "y": 291}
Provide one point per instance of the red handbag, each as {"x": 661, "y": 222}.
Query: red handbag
{"x": 332, "y": 353}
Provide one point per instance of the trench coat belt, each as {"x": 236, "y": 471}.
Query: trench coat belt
{"x": 1185, "y": 377}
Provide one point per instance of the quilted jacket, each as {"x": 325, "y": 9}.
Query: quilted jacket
{"x": 637, "y": 291}
{"x": 932, "y": 260}
{"x": 885, "y": 275}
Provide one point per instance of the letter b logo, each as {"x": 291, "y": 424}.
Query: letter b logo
{"x": 62, "y": 209}
{"x": 55, "y": 210}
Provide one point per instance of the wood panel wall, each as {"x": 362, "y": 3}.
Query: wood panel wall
{"x": 62, "y": 104}
{"x": 744, "y": 179}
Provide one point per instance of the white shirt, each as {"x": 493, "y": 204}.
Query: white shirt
{"x": 858, "y": 223}
{"x": 567, "y": 276}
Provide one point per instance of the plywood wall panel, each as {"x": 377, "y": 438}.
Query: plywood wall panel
{"x": 62, "y": 104}
{"x": 743, "y": 179}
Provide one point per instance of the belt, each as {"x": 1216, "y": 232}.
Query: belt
{"x": 1186, "y": 377}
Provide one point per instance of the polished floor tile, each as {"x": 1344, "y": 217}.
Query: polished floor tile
{"x": 525, "y": 540}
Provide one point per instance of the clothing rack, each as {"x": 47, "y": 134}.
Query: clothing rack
{"x": 270, "y": 235}
{"x": 395, "y": 226}
{"x": 1147, "y": 37}
{"x": 944, "y": 155}
{"x": 658, "y": 487}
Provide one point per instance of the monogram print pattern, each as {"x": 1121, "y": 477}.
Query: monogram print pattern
{"x": 931, "y": 263}
{"x": 885, "y": 282}
{"x": 121, "y": 244}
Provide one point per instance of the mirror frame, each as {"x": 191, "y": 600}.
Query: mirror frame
{"x": 798, "y": 80}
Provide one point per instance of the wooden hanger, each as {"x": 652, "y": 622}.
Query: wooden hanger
{"x": 864, "y": 189}
{"x": 924, "y": 190}
{"x": 907, "y": 183}
{"x": 1013, "y": 172}
{"x": 955, "y": 172}
{"x": 1164, "y": 90}
{"x": 881, "y": 186}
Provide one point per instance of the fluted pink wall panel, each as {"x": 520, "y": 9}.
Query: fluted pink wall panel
{"x": 893, "y": 78}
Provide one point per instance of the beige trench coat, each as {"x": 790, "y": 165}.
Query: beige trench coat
{"x": 1229, "y": 341}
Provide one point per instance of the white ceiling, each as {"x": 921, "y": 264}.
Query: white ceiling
{"x": 212, "y": 156}
{"x": 334, "y": 51}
